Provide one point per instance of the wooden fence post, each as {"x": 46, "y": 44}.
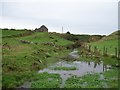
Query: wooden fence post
{"x": 89, "y": 48}
{"x": 116, "y": 54}
{"x": 119, "y": 54}
{"x": 104, "y": 50}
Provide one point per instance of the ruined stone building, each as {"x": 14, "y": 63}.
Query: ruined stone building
{"x": 43, "y": 28}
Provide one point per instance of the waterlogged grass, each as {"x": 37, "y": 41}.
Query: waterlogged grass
{"x": 107, "y": 79}
{"x": 45, "y": 80}
{"x": 65, "y": 68}
{"x": 107, "y": 60}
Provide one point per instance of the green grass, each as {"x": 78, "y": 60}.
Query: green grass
{"x": 14, "y": 79}
{"x": 11, "y": 32}
{"x": 19, "y": 60}
{"x": 27, "y": 58}
{"x": 65, "y": 68}
{"x": 45, "y": 80}
{"x": 109, "y": 80}
{"x": 44, "y": 37}
{"x": 107, "y": 60}
{"x": 109, "y": 44}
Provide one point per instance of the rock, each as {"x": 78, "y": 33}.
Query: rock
{"x": 40, "y": 61}
{"x": 74, "y": 55}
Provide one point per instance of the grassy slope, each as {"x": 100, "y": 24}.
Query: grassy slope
{"x": 20, "y": 60}
{"x": 109, "y": 44}
{"x": 45, "y": 37}
{"x": 11, "y": 32}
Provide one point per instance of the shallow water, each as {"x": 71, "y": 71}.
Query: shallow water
{"x": 82, "y": 69}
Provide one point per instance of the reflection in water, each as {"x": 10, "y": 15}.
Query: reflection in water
{"x": 89, "y": 63}
{"x": 95, "y": 64}
{"x": 105, "y": 68}
{"x": 82, "y": 68}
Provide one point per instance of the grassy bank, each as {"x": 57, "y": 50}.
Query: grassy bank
{"x": 20, "y": 61}
{"x": 47, "y": 37}
{"x": 109, "y": 44}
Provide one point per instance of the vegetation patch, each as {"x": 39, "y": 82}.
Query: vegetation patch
{"x": 107, "y": 79}
{"x": 110, "y": 45}
{"x": 64, "y": 68}
{"x": 19, "y": 59}
{"x": 44, "y": 37}
{"x": 45, "y": 80}
{"x": 6, "y": 33}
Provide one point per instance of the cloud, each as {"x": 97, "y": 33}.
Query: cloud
{"x": 95, "y": 16}
{"x": 59, "y": 1}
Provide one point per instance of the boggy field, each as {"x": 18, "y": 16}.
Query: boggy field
{"x": 52, "y": 60}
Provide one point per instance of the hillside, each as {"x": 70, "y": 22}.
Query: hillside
{"x": 110, "y": 42}
{"x": 32, "y": 59}
{"x": 21, "y": 60}
{"x": 44, "y": 37}
{"x": 113, "y": 35}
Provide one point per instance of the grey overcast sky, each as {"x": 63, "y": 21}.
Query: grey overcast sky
{"x": 76, "y": 16}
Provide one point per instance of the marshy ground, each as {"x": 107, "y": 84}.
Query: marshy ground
{"x": 51, "y": 60}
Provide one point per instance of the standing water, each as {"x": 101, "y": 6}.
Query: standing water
{"x": 82, "y": 68}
